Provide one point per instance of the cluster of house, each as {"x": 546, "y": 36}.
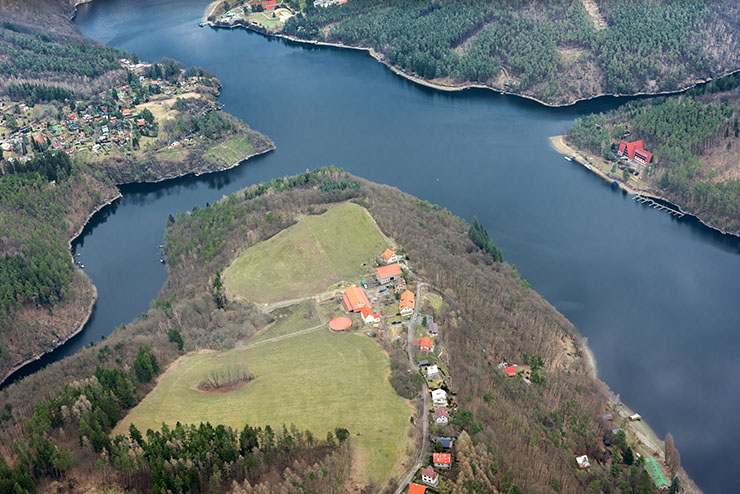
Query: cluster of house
{"x": 356, "y": 301}
{"x": 88, "y": 127}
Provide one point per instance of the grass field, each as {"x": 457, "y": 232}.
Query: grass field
{"x": 231, "y": 151}
{"x": 317, "y": 381}
{"x": 308, "y": 257}
{"x": 289, "y": 320}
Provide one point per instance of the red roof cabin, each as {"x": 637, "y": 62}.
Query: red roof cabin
{"x": 429, "y": 476}
{"x": 510, "y": 371}
{"x": 635, "y": 151}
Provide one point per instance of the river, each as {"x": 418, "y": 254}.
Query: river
{"x": 656, "y": 296}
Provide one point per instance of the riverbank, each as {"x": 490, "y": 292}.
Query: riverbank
{"x": 87, "y": 314}
{"x": 447, "y": 87}
{"x": 599, "y": 166}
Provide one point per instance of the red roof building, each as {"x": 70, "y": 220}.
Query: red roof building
{"x": 417, "y": 488}
{"x": 442, "y": 460}
{"x": 355, "y": 299}
{"x": 510, "y": 371}
{"x": 635, "y": 151}
{"x": 429, "y": 476}
{"x": 426, "y": 344}
{"x": 388, "y": 273}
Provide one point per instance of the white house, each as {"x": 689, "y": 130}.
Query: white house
{"x": 389, "y": 256}
{"x": 439, "y": 398}
{"x": 368, "y": 317}
{"x": 432, "y": 372}
{"x": 441, "y": 417}
{"x": 429, "y": 476}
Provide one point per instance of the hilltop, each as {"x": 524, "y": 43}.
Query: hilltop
{"x": 518, "y": 432}
{"x": 555, "y": 52}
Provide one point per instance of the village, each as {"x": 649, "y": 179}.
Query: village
{"x": 396, "y": 300}
{"x": 118, "y": 122}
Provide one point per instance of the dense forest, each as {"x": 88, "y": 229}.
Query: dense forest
{"x": 694, "y": 138}
{"x": 554, "y": 51}
{"x": 523, "y": 436}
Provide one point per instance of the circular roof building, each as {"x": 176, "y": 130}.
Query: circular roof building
{"x": 340, "y": 323}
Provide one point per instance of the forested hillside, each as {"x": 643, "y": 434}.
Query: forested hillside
{"x": 695, "y": 139}
{"x": 39, "y": 44}
{"x": 43, "y": 298}
{"x": 554, "y": 51}
{"x": 522, "y": 437}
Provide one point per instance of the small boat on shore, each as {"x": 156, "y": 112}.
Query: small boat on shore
{"x": 568, "y": 158}
{"x": 202, "y": 24}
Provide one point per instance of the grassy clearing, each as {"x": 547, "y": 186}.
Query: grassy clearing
{"x": 290, "y": 320}
{"x": 230, "y": 151}
{"x": 317, "y": 381}
{"x": 308, "y": 257}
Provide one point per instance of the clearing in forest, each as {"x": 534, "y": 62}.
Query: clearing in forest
{"x": 317, "y": 381}
{"x": 593, "y": 12}
{"x": 308, "y": 257}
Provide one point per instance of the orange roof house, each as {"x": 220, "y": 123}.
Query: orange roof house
{"x": 442, "y": 460}
{"x": 510, "y": 370}
{"x": 417, "y": 488}
{"x": 354, "y": 298}
{"x": 389, "y": 256}
{"x": 368, "y": 317}
{"x": 386, "y": 274}
{"x": 406, "y": 305}
{"x": 426, "y": 344}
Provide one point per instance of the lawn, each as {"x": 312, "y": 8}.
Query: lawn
{"x": 290, "y": 320}
{"x": 230, "y": 151}
{"x": 317, "y": 381}
{"x": 308, "y": 257}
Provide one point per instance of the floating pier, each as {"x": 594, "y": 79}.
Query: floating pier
{"x": 656, "y": 205}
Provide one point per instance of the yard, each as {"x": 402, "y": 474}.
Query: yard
{"x": 317, "y": 381}
{"x": 290, "y": 320}
{"x": 231, "y": 151}
{"x": 308, "y": 257}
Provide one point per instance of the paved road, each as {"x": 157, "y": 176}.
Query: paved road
{"x": 424, "y": 446}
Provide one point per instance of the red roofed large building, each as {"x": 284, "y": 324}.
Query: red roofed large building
{"x": 386, "y": 274}
{"x": 355, "y": 299}
{"x": 442, "y": 460}
{"x": 635, "y": 151}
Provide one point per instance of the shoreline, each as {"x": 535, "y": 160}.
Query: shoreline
{"x": 87, "y": 220}
{"x": 444, "y": 87}
{"x": 558, "y": 144}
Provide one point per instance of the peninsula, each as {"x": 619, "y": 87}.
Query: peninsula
{"x": 414, "y": 282}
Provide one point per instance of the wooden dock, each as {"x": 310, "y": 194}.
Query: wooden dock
{"x": 656, "y": 205}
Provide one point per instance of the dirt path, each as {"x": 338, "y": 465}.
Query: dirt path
{"x": 282, "y": 337}
{"x": 593, "y": 12}
{"x": 424, "y": 446}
